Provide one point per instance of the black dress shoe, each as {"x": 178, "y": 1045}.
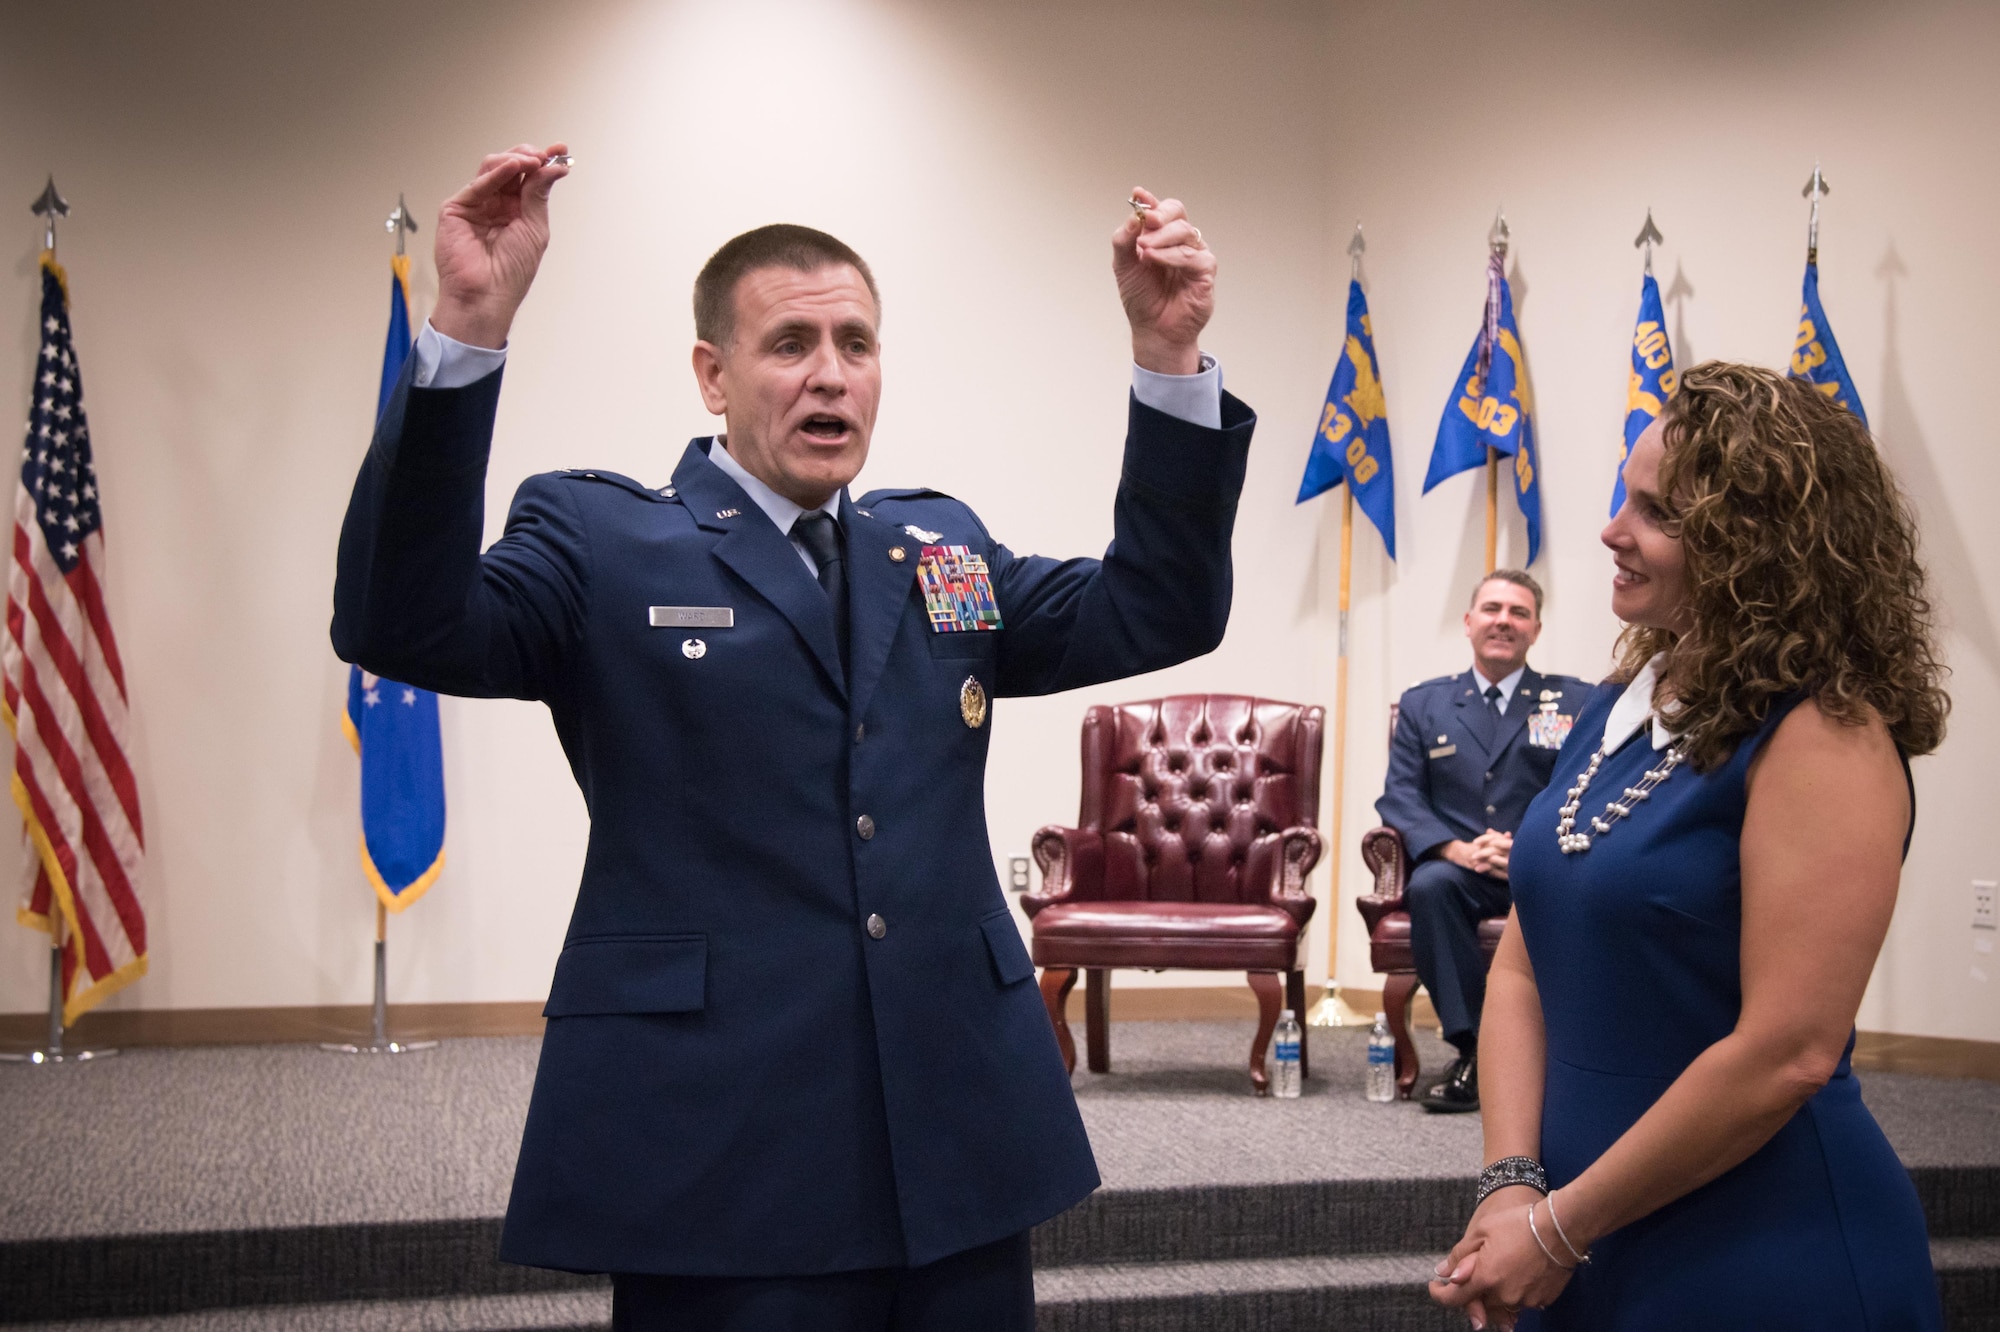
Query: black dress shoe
{"x": 1458, "y": 1092}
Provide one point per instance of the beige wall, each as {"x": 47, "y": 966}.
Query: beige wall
{"x": 230, "y": 165}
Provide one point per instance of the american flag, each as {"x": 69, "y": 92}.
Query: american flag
{"x": 64, "y": 690}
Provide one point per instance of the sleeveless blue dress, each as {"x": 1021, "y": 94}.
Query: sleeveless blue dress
{"x": 1635, "y": 946}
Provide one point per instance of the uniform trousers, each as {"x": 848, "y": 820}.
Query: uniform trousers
{"x": 1446, "y": 904}
{"x": 987, "y": 1289}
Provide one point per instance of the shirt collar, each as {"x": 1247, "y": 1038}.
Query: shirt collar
{"x": 1507, "y": 686}
{"x": 781, "y": 511}
{"x": 1634, "y": 710}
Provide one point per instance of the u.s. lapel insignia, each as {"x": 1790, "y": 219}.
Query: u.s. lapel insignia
{"x": 972, "y": 702}
{"x": 958, "y": 590}
{"x": 728, "y": 513}
{"x": 929, "y": 538}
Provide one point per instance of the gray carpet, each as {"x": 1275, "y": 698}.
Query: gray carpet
{"x": 228, "y": 1138}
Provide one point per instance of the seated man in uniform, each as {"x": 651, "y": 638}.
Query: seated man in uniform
{"x": 1471, "y": 750}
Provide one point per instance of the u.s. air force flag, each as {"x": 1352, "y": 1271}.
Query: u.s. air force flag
{"x": 1491, "y": 406}
{"x": 394, "y": 727}
{"x": 1653, "y": 380}
{"x": 1352, "y": 444}
{"x": 1816, "y": 356}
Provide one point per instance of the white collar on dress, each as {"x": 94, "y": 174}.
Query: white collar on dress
{"x": 1635, "y": 709}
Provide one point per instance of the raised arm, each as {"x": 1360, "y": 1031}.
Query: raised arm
{"x": 413, "y": 598}
{"x": 1161, "y": 593}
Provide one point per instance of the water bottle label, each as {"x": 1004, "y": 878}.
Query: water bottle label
{"x": 1381, "y": 1054}
{"x": 1288, "y": 1051}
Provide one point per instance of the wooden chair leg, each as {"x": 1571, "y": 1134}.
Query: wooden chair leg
{"x": 1266, "y": 987}
{"x": 1295, "y": 999}
{"x": 1396, "y": 992}
{"x": 1097, "y": 1018}
{"x": 1057, "y": 982}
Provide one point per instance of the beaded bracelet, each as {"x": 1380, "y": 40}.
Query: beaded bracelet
{"x": 1511, "y": 1170}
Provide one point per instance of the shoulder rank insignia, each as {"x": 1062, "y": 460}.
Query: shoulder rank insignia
{"x": 911, "y": 529}
{"x": 958, "y": 592}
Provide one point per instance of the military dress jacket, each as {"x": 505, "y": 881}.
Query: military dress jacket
{"x": 1455, "y": 770}
{"x": 793, "y": 1028}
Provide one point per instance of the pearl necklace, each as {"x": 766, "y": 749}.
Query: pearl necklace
{"x": 1572, "y": 841}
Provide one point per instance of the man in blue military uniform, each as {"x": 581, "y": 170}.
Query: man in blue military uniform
{"x": 796, "y": 1073}
{"x": 1470, "y": 751}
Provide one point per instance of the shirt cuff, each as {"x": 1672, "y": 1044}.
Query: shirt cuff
{"x": 1195, "y": 398}
{"x": 447, "y": 363}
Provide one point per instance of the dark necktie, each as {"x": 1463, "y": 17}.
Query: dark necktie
{"x": 819, "y": 532}
{"x": 1493, "y": 704}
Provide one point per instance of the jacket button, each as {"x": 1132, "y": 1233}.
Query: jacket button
{"x": 860, "y": 733}
{"x": 877, "y": 927}
{"x": 1489, "y": 774}
{"x": 1489, "y": 810}
{"x": 866, "y": 826}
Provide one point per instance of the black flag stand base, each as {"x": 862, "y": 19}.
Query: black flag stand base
{"x": 380, "y": 1043}
{"x": 53, "y": 1052}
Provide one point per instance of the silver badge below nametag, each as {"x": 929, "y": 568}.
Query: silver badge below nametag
{"x": 691, "y": 617}
{"x": 1444, "y": 751}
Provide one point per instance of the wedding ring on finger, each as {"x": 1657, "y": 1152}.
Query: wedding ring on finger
{"x": 1197, "y": 234}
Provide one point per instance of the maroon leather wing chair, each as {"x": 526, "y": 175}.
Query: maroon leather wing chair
{"x": 1383, "y": 852}
{"x": 1192, "y": 848}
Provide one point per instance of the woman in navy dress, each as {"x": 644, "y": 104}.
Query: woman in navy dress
{"x": 1700, "y": 895}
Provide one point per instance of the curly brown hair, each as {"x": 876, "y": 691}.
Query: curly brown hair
{"x": 1802, "y": 568}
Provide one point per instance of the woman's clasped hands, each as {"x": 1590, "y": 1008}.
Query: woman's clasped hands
{"x": 1499, "y": 1268}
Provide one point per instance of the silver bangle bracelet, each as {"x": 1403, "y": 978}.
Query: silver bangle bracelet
{"x": 1534, "y": 1230}
{"x": 1580, "y": 1256}
{"x": 1509, "y": 1171}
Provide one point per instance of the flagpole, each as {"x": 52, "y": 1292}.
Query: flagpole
{"x": 1496, "y": 241}
{"x": 1333, "y": 1010}
{"x": 1492, "y": 508}
{"x": 399, "y": 224}
{"x": 50, "y": 205}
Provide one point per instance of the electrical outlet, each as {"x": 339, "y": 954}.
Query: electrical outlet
{"x": 1985, "y": 910}
{"x": 1017, "y": 876}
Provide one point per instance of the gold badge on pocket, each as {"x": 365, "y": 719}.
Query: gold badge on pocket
{"x": 972, "y": 702}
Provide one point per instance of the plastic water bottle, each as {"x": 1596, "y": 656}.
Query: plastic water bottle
{"x": 1381, "y": 1061}
{"x": 1286, "y": 1084}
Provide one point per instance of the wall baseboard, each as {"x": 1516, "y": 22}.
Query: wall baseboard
{"x": 1935, "y": 1056}
{"x": 274, "y": 1026}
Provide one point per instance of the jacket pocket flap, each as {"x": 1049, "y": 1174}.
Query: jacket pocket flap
{"x": 1010, "y": 955}
{"x": 659, "y": 973}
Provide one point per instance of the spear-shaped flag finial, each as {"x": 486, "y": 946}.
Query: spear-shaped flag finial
{"x": 1815, "y": 190}
{"x": 400, "y": 223}
{"x": 1500, "y": 233}
{"x": 1355, "y": 249}
{"x": 49, "y": 205}
{"x": 1649, "y": 236}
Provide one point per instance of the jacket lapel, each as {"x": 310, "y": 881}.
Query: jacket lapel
{"x": 1527, "y": 697}
{"x": 1474, "y": 717}
{"x": 760, "y": 554}
{"x": 878, "y": 592}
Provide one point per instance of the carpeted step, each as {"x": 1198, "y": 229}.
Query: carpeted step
{"x": 134, "y": 1276}
{"x": 1381, "y": 1292}
{"x": 569, "y": 1311}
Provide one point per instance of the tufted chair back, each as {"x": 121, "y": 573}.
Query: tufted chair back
{"x": 1190, "y": 792}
